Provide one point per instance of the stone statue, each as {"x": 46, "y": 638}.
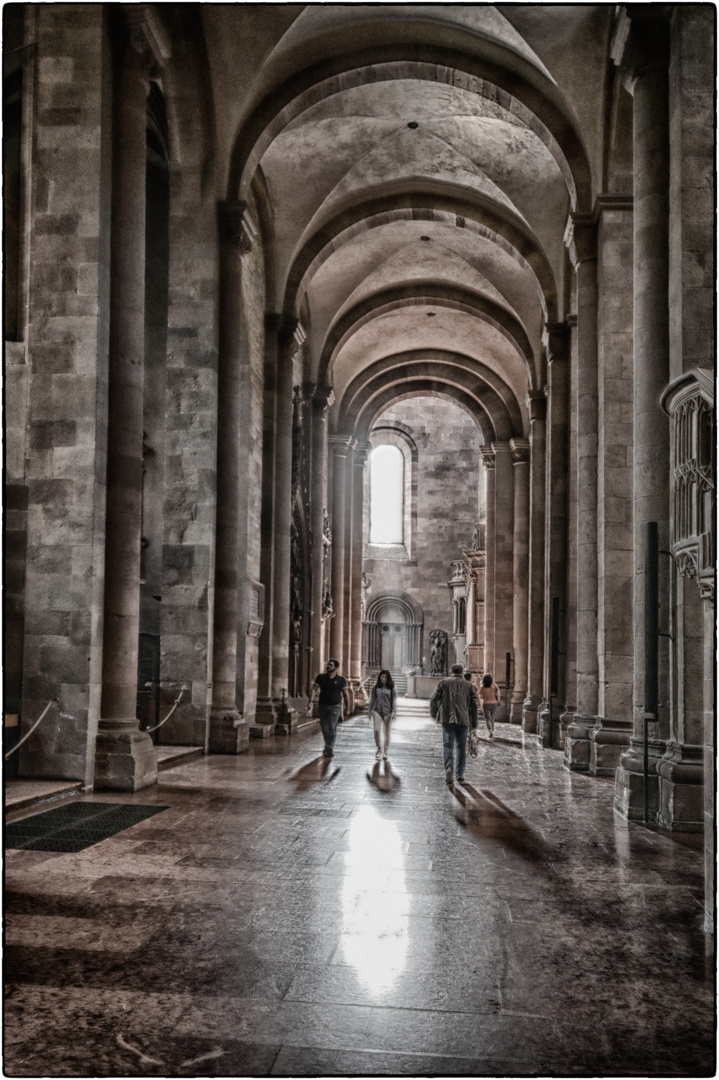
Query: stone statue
{"x": 438, "y": 653}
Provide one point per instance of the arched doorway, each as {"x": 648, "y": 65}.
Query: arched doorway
{"x": 392, "y": 635}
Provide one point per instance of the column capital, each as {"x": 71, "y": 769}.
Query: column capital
{"x": 147, "y": 46}
{"x": 322, "y": 398}
{"x": 641, "y": 41}
{"x": 580, "y": 238}
{"x": 537, "y": 405}
{"x": 487, "y": 453}
{"x": 291, "y": 335}
{"x": 555, "y": 338}
{"x": 340, "y": 444}
{"x": 361, "y": 453}
{"x": 520, "y": 450}
{"x": 235, "y": 225}
{"x": 501, "y": 448}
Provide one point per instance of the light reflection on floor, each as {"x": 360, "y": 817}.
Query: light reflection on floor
{"x": 375, "y": 938}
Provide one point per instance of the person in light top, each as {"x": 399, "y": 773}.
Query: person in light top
{"x": 489, "y": 697}
{"x": 382, "y": 710}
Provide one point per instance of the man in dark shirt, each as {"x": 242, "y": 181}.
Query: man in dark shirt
{"x": 332, "y": 689}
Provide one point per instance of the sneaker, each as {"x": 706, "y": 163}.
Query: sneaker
{"x": 448, "y": 777}
{"x": 384, "y": 756}
{"x": 491, "y": 734}
{"x": 378, "y": 755}
{"x": 327, "y": 752}
{"x": 460, "y": 779}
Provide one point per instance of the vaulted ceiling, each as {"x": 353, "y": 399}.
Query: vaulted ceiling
{"x": 419, "y": 207}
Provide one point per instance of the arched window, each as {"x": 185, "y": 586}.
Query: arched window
{"x": 386, "y": 495}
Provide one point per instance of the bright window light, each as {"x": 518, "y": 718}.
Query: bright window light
{"x": 386, "y": 495}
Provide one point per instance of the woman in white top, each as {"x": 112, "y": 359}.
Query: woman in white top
{"x": 382, "y": 710}
{"x": 489, "y": 697}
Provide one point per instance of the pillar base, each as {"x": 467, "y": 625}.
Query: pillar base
{"x": 607, "y": 742}
{"x": 125, "y": 759}
{"x": 576, "y": 743}
{"x": 544, "y": 725}
{"x": 629, "y": 780}
{"x": 515, "y": 709}
{"x": 229, "y": 733}
{"x": 681, "y": 788}
{"x": 530, "y": 712}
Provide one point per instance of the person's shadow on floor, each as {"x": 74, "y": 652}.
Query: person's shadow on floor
{"x": 314, "y": 772}
{"x": 386, "y": 781}
{"x": 485, "y": 814}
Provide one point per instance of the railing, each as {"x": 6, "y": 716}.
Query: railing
{"x": 177, "y": 701}
{"x": 26, "y": 736}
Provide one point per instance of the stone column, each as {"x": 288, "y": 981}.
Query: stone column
{"x": 359, "y": 460}
{"x": 291, "y": 339}
{"x": 229, "y": 733}
{"x": 581, "y": 240}
{"x": 615, "y": 539}
{"x": 503, "y": 569}
{"x": 520, "y": 575}
{"x": 537, "y": 405}
{"x": 322, "y": 398}
{"x": 282, "y": 342}
{"x": 125, "y": 758}
{"x": 556, "y": 342}
{"x": 489, "y": 557}
{"x": 264, "y": 711}
{"x": 340, "y": 446}
{"x": 644, "y": 61}
{"x": 570, "y": 619}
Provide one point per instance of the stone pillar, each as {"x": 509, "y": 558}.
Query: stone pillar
{"x": 264, "y": 711}
{"x": 489, "y": 557}
{"x": 503, "y": 570}
{"x": 125, "y": 758}
{"x": 322, "y": 398}
{"x": 282, "y": 343}
{"x": 644, "y": 61}
{"x": 359, "y": 460}
{"x": 581, "y": 240}
{"x": 340, "y": 445}
{"x": 291, "y": 339}
{"x": 614, "y": 478}
{"x": 556, "y": 341}
{"x": 229, "y": 733}
{"x": 537, "y": 405}
{"x": 520, "y": 575}
{"x": 570, "y": 619}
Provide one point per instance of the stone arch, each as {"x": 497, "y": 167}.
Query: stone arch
{"x": 479, "y": 216}
{"x": 419, "y": 388}
{"x": 527, "y": 93}
{"x": 496, "y": 393}
{"x": 419, "y": 295}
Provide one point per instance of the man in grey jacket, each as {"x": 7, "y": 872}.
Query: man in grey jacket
{"x": 454, "y": 705}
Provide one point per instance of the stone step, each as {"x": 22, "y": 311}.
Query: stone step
{"x": 170, "y": 756}
{"x": 24, "y": 795}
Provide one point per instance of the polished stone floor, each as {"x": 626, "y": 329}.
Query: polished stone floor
{"x": 290, "y": 914}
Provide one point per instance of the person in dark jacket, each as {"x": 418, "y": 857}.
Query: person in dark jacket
{"x": 382, "y": 710}
{"x": 454, "y": 705}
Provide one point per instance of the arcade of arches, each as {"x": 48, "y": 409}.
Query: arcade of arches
{"x": 248, "y": 245}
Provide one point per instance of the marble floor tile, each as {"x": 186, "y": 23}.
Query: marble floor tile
{"x": 288, "y": 917}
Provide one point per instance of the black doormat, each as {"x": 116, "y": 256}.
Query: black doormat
{"x": 75, "y": 826}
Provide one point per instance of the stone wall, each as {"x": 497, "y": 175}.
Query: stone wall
{"x": 67, "y": 387}
{"x": 448, "y": 442}
{"x": 691, "y": 193}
